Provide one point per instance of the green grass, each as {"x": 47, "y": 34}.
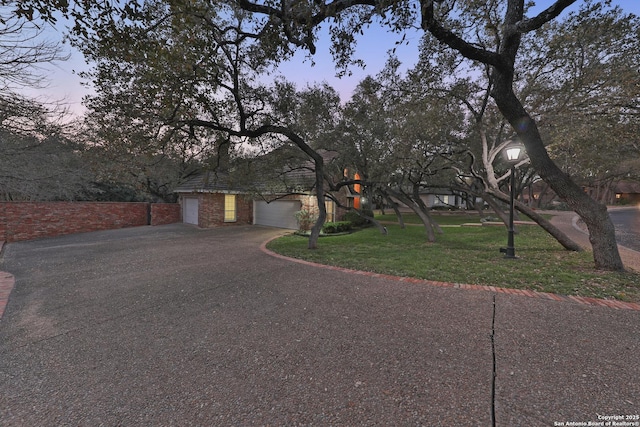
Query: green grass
{"x": 443, "y": 219}
{"x": 412, "y": 218}
{"x": 469, "y": 255}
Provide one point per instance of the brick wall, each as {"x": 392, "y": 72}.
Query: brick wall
{"x": 165, "y": 213}
{"x": 33, "y": 220}
{"x": 211, "y": 210}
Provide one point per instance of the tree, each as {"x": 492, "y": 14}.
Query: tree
{"x": 489, "y": 33}
{"x": 581, "y": 82}
{"x": 41, "y": 169}
{"x": 40, "y": 161}
{"x": 398, "y": 138}
{"x": 140, "y": 160}
{"x": 578, "y": 79}
{"x": 192, "y": 68}
{"x": 22, "y": 50}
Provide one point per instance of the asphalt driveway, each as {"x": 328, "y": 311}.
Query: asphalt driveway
{"x": 173, "y": 325}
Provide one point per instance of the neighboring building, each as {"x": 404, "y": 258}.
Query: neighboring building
{"x": 440, "y": 198}
{"x": 627, "y": 192}
{"x": 540, "y": 195}
{"x": 210, "y": 200}
{"x": 213, "y": 199}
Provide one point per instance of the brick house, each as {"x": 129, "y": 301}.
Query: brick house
{"x": 210, "y": 200}
{"x": 213, "y": 199}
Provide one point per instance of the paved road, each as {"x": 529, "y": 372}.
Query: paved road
{"x": 627, "y": 223}
{"x": 173, "y": 325}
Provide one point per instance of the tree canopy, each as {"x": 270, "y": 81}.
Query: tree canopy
{"x": 194, "y": 66}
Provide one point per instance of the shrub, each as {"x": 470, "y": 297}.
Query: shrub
{"x": 356, "y": 220}
{"x": 305, "y": 219}
{"x": 336, "y": 227}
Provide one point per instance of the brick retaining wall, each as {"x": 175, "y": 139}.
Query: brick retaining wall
{"x": 33, "y": 220}
{"x": 165, "y": 213}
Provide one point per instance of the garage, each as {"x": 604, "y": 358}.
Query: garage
{"x": 190, "y": 210}
{"x": 280, "y": 213}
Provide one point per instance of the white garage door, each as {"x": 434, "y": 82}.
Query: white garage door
{"x": 279, "y": 213}
{"x": 190, "y": 211}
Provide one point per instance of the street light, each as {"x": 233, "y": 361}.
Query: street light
{"x": 512, "y": 154}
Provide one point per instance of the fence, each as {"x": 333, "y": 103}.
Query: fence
{"x": 33, "y": 220}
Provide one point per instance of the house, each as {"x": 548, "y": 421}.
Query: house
{"x": 214, "y": 199}
{"x": 441, "y": 198}
{"x": 627, "y": 192}
{"x": 210, "y": 199}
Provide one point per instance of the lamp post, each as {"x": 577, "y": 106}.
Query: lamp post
{"x": 512, "y": 153}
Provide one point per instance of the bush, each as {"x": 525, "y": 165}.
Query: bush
{"x": 443, "y": 208}
{"x": 356, "y": 220}
{"x": 305, "y": 219}
{"x": 337, "y": 227}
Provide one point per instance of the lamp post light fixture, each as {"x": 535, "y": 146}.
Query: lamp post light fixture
{"x": 513, "y": 153}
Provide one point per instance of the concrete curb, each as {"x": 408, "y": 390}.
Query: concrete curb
{"x": 7, "y": 281}
{"x": 615, "y": 304}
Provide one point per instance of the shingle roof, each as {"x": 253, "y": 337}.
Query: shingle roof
{"x": 299, "y": 177}
{"x": 628, "y": 187}
{"x": 211, "y": 182}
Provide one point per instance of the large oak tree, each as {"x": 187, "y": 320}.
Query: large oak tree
{"x": 490, "y": 33}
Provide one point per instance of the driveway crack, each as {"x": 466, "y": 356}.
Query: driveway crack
{"x": 493, "y": 356}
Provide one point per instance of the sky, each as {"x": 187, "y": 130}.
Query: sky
{"x": 65, "y": 84}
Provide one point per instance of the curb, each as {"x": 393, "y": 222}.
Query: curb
{"x": 615, "y": 304}
{"x": 7, "y": 281}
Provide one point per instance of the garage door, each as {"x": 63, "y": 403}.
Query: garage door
{"x": 279, "y": 214}
{"x": 190, "y": 211}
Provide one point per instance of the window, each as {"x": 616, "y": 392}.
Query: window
{"x": 229, "y": 208}
{"x": 331, "y": 214}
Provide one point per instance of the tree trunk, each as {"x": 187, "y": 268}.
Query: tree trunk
{"x": 424, "y": 217}
{"x": 379, "y": 226}
{"x": 396, "y": 210}
{"x": 594, "y": 214}
{"x": 561, "y": 237}
{"x": 425, "y": 210}
{"x": 542, "y": 195}
{"x": 322, "y": 209}
{"x": 504, "y": 217}
{"x": 601, "y": 231}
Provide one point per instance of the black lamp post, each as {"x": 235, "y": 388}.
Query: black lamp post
{"x": 512, "y": 153}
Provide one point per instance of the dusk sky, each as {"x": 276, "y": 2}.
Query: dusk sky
{"x": 372, "y": 48}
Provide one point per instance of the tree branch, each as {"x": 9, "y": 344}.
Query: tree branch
{"x": 448, "y": 37}
{"x": 527, "y": 25}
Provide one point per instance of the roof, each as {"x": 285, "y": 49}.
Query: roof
{"x": 628, "y": 187}
{"x": 293, "y": 177}
{"x": 211, "y": 182}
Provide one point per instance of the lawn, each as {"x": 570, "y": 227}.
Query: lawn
{"x": 442, "y": 219}
{"x": 468, "y": 255}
